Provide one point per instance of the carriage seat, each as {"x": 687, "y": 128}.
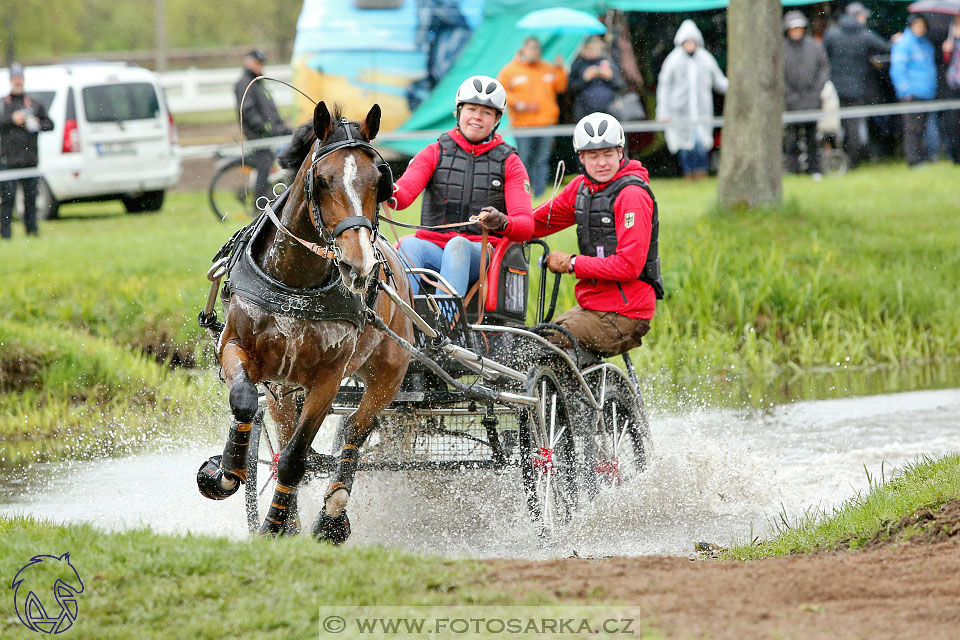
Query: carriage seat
{"x": 507, "y": 286}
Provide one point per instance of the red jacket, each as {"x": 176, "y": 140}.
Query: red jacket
{"x": 609, "y": 283}
{"x": 516, "y": 190}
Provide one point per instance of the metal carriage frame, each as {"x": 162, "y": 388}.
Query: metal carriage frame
{"x": 489, "y": 396}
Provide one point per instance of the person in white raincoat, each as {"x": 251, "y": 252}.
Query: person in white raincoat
{"x": 688, "y": 76}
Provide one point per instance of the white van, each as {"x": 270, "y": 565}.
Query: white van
{"x": 113, "y": 136}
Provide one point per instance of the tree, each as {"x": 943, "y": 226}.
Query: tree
{"x": 751, "y": 163}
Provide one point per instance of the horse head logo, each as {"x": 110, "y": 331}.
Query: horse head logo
{"x": 37, "y": 579}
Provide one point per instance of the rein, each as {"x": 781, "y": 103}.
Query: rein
{"x": 313, "y": 247}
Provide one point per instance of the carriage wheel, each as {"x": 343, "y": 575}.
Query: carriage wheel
{"x": 622, "y": 440}
{"x": 262, "y": 455}
{"x": 548, "y": 462}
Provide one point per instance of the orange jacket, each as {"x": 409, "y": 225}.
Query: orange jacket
{"x": 537, "y": 83}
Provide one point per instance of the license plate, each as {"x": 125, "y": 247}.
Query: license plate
{"x": 116, "y": 149}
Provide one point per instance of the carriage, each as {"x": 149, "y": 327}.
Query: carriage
{"x": 494, "y": 393}
{"x": 490, "y": 395}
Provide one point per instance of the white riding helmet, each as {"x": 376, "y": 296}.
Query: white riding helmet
{"x": 482, "y": 90}
{"x": 597, "y": 131}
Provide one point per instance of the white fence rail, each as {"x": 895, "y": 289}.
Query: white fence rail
{"x": 194, "y": 89}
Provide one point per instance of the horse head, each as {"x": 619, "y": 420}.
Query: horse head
{"x": 342, "y": 186}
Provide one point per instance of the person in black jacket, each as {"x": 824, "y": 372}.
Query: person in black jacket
{"x": 806, "y": 71}
{"x": 850, "y": 45}
{"x": 21, "y": 121}
{"x": 261, "y": 119}
{"x": 594, "y": 79}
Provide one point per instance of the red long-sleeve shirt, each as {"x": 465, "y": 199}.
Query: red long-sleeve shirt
{"x": 516, "y": 192}
{"x": 609, "y": 283}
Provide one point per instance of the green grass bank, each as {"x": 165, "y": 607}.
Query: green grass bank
{"x": 139, "y": 584}
{"x": 853, "y": 272}
{"x": 927, "y": 483}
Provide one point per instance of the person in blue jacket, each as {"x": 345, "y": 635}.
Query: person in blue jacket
{"x": 913, "y": 71}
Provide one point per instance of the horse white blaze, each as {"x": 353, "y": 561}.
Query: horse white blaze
{"x": 353, "y": 196}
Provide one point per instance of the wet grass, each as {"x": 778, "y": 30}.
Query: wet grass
{"x": 141, "y": 585}
{"x": 853, "y": 272}
{"x": 71, "y": 395}
{"x": 927, "y": 483}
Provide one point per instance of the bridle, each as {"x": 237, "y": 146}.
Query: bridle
{"x": 329, "y": 249}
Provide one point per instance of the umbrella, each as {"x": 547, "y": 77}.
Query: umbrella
{"x": 561, "y": 20}
{"x": 949, "y": 7}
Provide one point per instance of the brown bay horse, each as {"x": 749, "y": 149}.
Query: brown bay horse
{"x": 332, "y": 204}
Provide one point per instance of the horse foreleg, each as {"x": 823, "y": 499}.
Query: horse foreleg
{"x": 220, "y": 476}
{"x": 283, "y": 407}
{"x": 381, "y": 385}
{"x": 291, "y": 465}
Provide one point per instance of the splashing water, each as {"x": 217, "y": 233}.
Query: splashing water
{"x": 714, "y": 475}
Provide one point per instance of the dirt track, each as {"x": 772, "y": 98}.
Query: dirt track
{"x": 905, "y": 590}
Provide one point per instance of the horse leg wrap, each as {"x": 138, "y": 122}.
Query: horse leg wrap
{"x": 235, "y": 451}
{"x": 338, "y": 493}
{"x": 214, "y": 482}
{"x": 348, "y": 465}
{"x": 283, "y": 498}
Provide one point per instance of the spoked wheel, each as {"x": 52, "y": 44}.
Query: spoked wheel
{"x": 262, "y": 456}
{"x": 548, "y": 462}
{"x": 622, "y": 441}
{"x": 231, "y": 194}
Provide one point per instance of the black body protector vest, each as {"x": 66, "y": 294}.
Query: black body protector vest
{"x": 463, "y": 183}
{"x": 597, "y": 231}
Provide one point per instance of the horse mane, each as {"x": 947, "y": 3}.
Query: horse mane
{"x": 301, "y": 143}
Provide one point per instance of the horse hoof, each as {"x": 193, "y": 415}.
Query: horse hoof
{"x": 330, "y": 529}
{"x": 269, "y": 530}
{"x": 211, "y": 479}
{"x": 291, "y": 527}
{"x": 244, "y": 401}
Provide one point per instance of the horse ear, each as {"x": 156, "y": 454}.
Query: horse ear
{"x": 322, "y": 122}
{"x": 371, "y": 124}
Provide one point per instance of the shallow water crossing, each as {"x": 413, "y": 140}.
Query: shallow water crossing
{"x": 717, "y": 476}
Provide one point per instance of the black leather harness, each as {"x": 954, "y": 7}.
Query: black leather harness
{"x": 246, "y": 279}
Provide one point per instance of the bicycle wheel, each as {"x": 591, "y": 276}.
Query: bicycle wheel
{"x": 231, "y": 195}
{"x": 548, "y": 458}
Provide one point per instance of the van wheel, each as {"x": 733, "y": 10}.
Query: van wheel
{"x": 149, "y": 201}
{"x": 48, "y": 207}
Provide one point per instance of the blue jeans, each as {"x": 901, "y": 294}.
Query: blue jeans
{"x": 692, "y": 160}
{"x": 458, "y": 262}
{"x": 535, "y": 155}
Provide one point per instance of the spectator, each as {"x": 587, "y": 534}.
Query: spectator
{"x": 532, "y": 86}
{"x": 497, "y": 183}
{"x": 849, "y": 46}
{"x": 806, "y": 70}
{"x": 261, "y": 119}
{"x": 594, "y": 79}
{"x": 21, "y": 121}
{"x": 951, "y": 90}
{"x": 687, "y": 79}
{"x": 914, "y": 74}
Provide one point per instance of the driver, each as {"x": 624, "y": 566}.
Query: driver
{"x": 618, "y": 267}
{"x": 469, "y": 171}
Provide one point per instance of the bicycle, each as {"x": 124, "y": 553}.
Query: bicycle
{"x": 233, "y": 187}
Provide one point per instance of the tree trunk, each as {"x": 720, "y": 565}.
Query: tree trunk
{"x": 751, "y": 159}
